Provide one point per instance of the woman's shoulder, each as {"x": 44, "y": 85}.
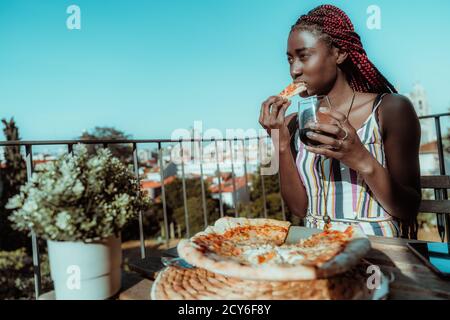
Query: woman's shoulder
{"x": 394, "y": 105}
{"x": 397, "y": 112}
{"x": 391, "y": 106}
{"x": 394, "y": 100}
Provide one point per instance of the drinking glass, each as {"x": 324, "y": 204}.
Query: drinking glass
{"x": 308, "y": 113}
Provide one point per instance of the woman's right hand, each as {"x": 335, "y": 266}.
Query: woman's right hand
{"x": 272, "y": 117}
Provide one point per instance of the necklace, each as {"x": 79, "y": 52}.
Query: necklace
{"x": 326, "y": 217}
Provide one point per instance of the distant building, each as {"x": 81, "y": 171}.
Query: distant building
{"x": 170, "y": 169}
{"x": 41, "y": 159}
{"x": 154, "y": 188}
{"x": 418, "y": 97}
{"x": 429, "y": 158}
{"x": 227, "y": 160}
{"x": 226, "y": 186}
{"x": 145, "y": 155}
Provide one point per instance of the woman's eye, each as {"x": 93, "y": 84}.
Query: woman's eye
{"x": 304, "y": 57}
{"x": 290, "y": 60}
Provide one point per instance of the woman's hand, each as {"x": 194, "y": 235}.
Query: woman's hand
{"x": 272, "y": 117}
{"x": 345, "y": 144}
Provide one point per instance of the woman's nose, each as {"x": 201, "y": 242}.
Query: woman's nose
{"x": 296, "y": 70}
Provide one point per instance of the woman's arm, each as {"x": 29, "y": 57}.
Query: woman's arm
{"x": 397, "y": 187}
{"x": 273, "y": 119}
{"x": 292, "y": 188}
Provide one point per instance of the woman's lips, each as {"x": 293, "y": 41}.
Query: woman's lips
{"x": 303, "y": 93}
{"x": 302, "y": 87}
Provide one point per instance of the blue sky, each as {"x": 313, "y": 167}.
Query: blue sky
{"x": 149, "y": 67}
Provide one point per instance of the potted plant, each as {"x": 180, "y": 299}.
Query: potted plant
{"x": 79, "y": 204}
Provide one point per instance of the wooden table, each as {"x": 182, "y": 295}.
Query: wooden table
{"x": 412, "y": 278}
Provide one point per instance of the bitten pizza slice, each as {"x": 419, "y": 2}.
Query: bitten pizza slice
{"x": 293, "y": 89}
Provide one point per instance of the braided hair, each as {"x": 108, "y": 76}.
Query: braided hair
{"x": 332, "y": 25}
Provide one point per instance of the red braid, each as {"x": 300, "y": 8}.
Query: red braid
{"x": 331, "y": 21}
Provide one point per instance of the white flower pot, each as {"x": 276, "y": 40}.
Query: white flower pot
{"x": 85, "y": 271}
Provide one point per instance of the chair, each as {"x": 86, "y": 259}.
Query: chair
{"x": 441, "y": 205}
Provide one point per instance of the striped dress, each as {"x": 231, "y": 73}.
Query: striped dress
{"x": 350, "y": 200}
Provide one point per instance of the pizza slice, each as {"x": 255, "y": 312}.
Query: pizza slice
{"x": 293, "y": 89}
{"x": 257, "y": 249}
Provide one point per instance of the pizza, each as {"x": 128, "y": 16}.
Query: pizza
{"x": 256, "y": 249}
{"x": 174, "y": 283}
{"x": 292, "y": 90}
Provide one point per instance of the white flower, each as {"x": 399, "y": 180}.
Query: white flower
{"x": 30, "y": 206}
{"x": 14, "y": 203}
{"x": 78, "y": 188}
{"x": 62, "y": 220}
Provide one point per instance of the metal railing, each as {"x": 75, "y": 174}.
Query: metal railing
{"x": 442, "y": 220}
{"x": 134, "y": 142}
{"x": 438, "y": 128}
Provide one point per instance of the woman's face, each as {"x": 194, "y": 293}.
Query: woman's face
{"x": 312, "y": 61}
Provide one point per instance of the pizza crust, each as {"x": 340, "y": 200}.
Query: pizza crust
{"x": 200, "y": 284}
{"x": 226, "y": 223}
{"x": 356, "y": 248}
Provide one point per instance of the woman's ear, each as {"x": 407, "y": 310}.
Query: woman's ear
{"x": 340, "y": 54}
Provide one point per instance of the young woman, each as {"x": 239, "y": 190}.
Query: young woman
{"x": 368, "y": 172}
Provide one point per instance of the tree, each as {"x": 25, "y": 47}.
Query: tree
{"x": 153, "y": 218}
{"x": 175, "y": 204}
{"x": 271, "y": 185}
{"x": 195, "y": 213}
{"x": 12, "y": 177}
{"x": 255, "y": 209}
{"x": 121, "y": 151}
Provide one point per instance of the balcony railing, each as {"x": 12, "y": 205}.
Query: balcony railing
{"x": 134, "y": 142}
{"x": 438, "y": 128}
{"x": 159, "y": 142}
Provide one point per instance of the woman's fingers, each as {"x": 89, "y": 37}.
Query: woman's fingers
{"x": 265, "y": 109}
{"x": 325, "y": 152}
{"x": 270, "y": 110}
{"x": 276, "y": 107}
{"x": 324, "y": 139}
{"x": 282, "y": 113}
{"x": 329, "y": 128}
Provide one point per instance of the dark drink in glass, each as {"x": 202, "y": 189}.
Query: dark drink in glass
{"x": 312, "y": 143}
{"x": 308, "y": 113}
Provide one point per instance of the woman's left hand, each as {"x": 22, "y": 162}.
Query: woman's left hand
{"x": 345, "y": 144}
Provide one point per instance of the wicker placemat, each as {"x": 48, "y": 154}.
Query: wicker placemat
{"x": 174, "y": 283}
